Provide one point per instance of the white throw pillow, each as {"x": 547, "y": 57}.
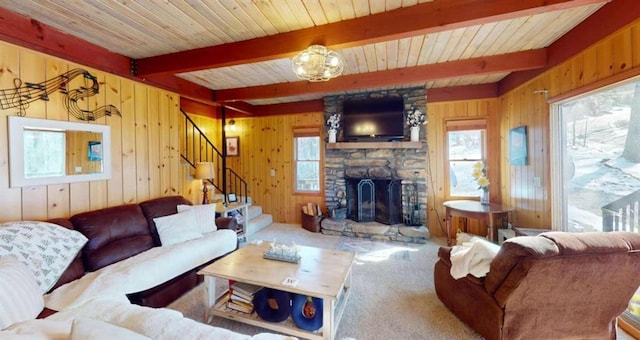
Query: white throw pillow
{"x": 205, "y": 216}
{"x": 47, "y": 249}
{"x": 20, "y": 295}
{"x": 177, "y": 228}
{"x": 93, "y": 329}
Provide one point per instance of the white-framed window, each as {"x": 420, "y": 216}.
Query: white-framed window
{"x": 307, "y": 157}
{"x": 466, "y": 142}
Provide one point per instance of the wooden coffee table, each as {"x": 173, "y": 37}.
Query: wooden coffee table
{"x": 321, "y": 273}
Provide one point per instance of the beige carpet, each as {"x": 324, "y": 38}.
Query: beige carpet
{"x": 392, "y": 298}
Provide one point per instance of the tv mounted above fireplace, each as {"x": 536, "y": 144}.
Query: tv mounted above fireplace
{"x": 373, "y": 119}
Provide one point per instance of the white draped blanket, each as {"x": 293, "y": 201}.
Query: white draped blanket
{"x": 473, "y": 257}
{"x": 155, "y": 323}
{"x": 143, "y": 271}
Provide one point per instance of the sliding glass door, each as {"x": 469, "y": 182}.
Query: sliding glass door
{"x": 596, "y": 152}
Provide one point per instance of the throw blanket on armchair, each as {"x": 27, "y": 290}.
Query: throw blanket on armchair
{"x": 473, "y": 257}
{"x": 143, "y": 271}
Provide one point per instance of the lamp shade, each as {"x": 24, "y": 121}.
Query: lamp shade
{"x": 205, "y": 170}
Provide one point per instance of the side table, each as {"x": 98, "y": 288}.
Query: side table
{"x": 238, "y": 210}
{"x": 474, "y": 209}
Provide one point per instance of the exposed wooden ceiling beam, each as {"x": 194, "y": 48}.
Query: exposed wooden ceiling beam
{"x": 430, "y": 17}
{"x": 468, "y": 92}
{"x": 22, "y": 31}
{"x": 525, "y": 60}
{"x": 608, "y": 19}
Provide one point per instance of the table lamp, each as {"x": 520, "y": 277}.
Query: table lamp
{"x": 205, "y": 171}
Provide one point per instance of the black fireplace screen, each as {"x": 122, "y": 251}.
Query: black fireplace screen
{"x": 377, "y": 200}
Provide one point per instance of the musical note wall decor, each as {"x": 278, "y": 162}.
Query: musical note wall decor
{"x": 21, "y": 96}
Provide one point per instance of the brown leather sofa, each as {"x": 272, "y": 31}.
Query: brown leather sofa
{"x": 117, "y": 233}
{"x": 552, "y": 286}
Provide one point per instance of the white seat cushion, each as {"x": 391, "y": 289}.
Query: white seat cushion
{"x": 20, "y": 295}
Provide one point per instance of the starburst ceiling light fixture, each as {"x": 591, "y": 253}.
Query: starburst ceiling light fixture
{"x": 317, "y": 63}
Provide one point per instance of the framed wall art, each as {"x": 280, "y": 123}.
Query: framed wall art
{"x": 232, "y": 145}
{"x": 518, "y": 146}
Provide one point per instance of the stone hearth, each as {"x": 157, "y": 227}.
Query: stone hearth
{"x": 375, "y": 230}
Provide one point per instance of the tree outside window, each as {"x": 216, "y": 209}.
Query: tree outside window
{"x": 466, "y": 144}
{"x": 307, "y": 163}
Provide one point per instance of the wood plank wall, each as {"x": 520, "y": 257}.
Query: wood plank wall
{"x": 438, "y": 114}
{"x": 612, "y": 59}
{"x": 267, "y": 143}
{"x": 145, "y": 147}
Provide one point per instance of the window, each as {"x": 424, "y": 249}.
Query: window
{"x": 596, "y": 160}
{"x": 466, "y": 145}
{"x": 44, "y": 153}
{"x": 307, "y": 160}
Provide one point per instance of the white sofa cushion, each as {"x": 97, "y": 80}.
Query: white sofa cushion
{"x": 177, "y": 228}
{"x": 86, "y": 328}
{"x": 45, "y": 248}
{"x": 205, "y": 216}
{"x": 20, "y": 295}
{"x": 142, "y": 271}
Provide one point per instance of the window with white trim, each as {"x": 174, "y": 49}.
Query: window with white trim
{"x": 307, "y": 160}
{"x": 466, "y": 145}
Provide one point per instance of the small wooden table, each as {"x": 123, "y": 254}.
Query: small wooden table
{"x": 240, "y": 211}
{"x": 474, "y": 209}
{"x": 321, "y": 273}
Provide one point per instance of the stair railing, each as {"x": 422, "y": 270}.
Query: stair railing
{"x": 196, "y": 147}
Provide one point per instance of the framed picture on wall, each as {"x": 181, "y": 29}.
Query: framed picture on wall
{"x": 232, "y": 145}
{"x": 518, "y": 146}
{"x": 95, "y": 151}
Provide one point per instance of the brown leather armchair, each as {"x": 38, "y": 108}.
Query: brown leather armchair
{"x": 552, "y": 286}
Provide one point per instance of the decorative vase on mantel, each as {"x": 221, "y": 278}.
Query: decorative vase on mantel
{"x": 332, "y": 135}
{"x": 415, "y": 133}
{"x": 484, "y": 197}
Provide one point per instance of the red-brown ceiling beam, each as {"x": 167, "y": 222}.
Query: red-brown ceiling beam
{"x": 240, "y": 107}
{"x": 32, "y": 34}
{"x": 468, "y": 92}
{"x": 516, "y": 61}
{"x": 607, "y": 20}
{"x": 290, "y": 108}
{"x": 198, "y": 108}
{"x": 429, "y": 17}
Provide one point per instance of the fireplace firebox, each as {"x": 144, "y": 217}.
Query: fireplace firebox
{"x": 377, "y": 200}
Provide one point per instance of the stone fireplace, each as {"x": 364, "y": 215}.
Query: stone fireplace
{"x": 387, "y": 177}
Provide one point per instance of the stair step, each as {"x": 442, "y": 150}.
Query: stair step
{"x": 255, "y": 211}
{"x": 257, "y": 223}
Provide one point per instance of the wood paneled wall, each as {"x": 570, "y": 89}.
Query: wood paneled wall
{"x": 267, "y": 143}
{"x": 614, "y": 58}
{"x": 437, "y": 176}
{"x": 145, "y": 145}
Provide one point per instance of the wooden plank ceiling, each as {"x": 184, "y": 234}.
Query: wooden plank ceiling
{"x": 239, "y": 51}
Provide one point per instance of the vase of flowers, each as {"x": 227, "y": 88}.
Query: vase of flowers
{"x": 480, "y": 176}
{"x": 333, "y": 123}
{"x": 415, "y": 118}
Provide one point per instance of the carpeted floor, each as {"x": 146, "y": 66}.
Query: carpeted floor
{"x": 392, "y": 290}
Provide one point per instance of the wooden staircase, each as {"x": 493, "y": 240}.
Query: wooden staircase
{"x": 196, "y": 147}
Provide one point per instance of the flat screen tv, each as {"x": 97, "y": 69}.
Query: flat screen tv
{"x": 373, "y": 119}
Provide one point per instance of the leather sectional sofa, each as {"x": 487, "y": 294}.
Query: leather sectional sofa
{"x": 119, "y": 232}
{"x": 552, "y": 286}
